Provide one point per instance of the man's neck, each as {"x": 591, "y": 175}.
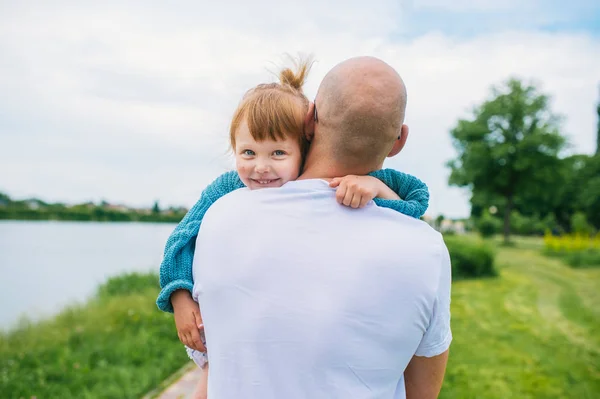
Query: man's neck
{"x": 321, "y": 166}
{"x": 316, "y": 173}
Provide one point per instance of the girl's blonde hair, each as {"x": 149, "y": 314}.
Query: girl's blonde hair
{"x": 275, "y": 111}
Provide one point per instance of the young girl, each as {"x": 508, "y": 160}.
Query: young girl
{"x": 268, "y": 140}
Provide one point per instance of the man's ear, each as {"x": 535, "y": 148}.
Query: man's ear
{"x": 309, "y": 122}
{"x": 400, "y": 141}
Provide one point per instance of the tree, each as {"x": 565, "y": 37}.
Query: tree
{"x": 438, "y": 221}
{"x": 508, "y": 148}
{"x": 598, "y": 129}
{"x": 4, "y": 198}
{"x": 579, "y": 189}
{"x": 156, "y": 208}
{"x": 579, "y": 224}
{"x": 588, "y": 192}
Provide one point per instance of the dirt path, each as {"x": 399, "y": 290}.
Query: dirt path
{"x": 182, "y": 387}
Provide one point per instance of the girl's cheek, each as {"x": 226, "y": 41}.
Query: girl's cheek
{"x": 292, "y": 171}
{"x": 297, "y": 166}
{"x": 244, "y": 171}
{"x": 243, "y": 168}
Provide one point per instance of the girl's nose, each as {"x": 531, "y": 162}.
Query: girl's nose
{"x": 262, "y": 167}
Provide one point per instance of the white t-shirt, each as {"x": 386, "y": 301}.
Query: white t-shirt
{"x": 304, "y": 298}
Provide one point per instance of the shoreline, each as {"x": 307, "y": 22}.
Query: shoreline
{"x": 166, "y": 219}
{"x": 86, "y": 221}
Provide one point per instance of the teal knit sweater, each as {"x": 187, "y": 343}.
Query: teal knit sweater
{"x": 176, "y": 267}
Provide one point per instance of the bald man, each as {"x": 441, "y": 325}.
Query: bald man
{"x": 305, "y": 298}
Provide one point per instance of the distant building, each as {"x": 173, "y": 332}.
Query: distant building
{"x": 118, "y": 208}
{"x": 429, "y": 220}
{"x": 448, "y": 226}
{"x": 445, "y": 225}
{"x": 33, "y": 204}
{"x": 89, "y": 205}
{"x": 459, "y": 227}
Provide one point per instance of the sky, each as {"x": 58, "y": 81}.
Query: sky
{"x": 130, "y": 102}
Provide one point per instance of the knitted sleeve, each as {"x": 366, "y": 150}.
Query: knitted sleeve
{"x": 176, "y": 267}
{"x": 414, "y": 193}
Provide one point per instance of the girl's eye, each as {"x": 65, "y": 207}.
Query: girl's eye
{"x": 249, "y": 153}
{"x": 278, "y": 153}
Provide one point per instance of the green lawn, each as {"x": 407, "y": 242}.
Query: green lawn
{"x": 116, "y": 346}
{"x": 533, "y": 332}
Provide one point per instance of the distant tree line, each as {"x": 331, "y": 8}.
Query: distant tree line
{"x": 513, "y": 158}
{"x": 36, "y": 209}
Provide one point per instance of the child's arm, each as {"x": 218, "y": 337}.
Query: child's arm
{"x": 176, "y": 267}
{"x": 389, "y": 188}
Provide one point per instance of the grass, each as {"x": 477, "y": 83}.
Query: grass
{"x": 534, "y": 332}
{"x": 119, "y": 345}
{"x": 522, "y": 242}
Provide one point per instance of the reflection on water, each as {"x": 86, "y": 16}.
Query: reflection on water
{"x": 47, "y": 265}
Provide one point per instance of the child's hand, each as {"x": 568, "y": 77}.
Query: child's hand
{"x": 357, "y": 191}
{"x": 188, "y": 320}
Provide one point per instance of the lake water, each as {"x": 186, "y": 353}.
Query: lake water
{"x": 45, "y": 266}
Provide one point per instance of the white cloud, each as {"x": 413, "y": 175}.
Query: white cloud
{"x": 469, "y": 5}
{"x": 132, "y": 103}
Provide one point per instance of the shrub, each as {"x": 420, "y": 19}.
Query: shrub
{"x": 525, "y": 225}
{"x": 470, "y": 259}
{"x": 583, "y": 258}
{"x": 577, "y": 250}
{"x": 521, "y": 225}
{"x": 571, "y": 242}
{"x": 532, "y": 225}
{"x": 127, "y": 284}
{"x": 580, "y": 225}
{"x": 488, "y": 225}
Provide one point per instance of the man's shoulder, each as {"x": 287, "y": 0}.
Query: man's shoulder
{"x": 408, "y": 233}
{"x": 403, "y": 221}
{"x": 227, "y": 192}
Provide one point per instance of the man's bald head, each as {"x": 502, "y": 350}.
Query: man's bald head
{"x": 360, "y": 106}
